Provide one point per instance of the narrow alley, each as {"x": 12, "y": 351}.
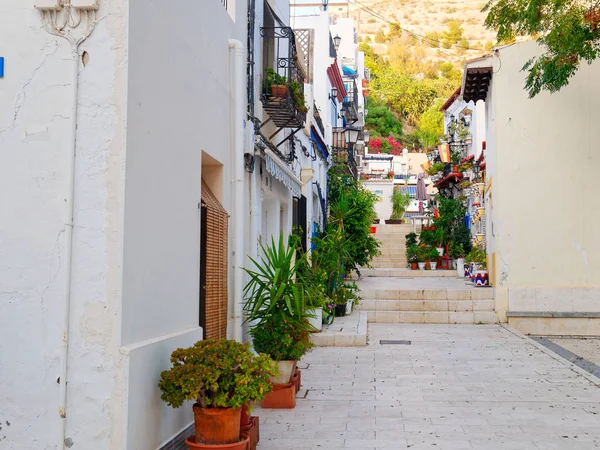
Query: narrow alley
{"x": 449, "y": 387}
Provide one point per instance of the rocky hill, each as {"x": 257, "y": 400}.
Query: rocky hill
{"x": 429, "y": 19}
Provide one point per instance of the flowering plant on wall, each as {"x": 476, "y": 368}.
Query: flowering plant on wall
{"x": 385, "y": 145}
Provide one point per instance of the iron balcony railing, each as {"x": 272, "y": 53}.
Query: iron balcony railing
{"x": 283, "y": 78}
{"x": 350, "y": 104}
{"x": 318, "y": 120}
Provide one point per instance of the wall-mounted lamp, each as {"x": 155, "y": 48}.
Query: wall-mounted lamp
{"x": 367, "y": 136}
{"x": 333, "y": 94}
{"x": 336, "y": 42}
{"x": 352, "y": 135}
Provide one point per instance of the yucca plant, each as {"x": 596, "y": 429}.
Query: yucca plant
{"x": 273, "y": 288}
{"x": 400, "y": 202}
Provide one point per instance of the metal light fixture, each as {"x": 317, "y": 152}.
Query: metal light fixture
{"x": 325, "y": 3}
{"x": 342, "y": 113}
{"x": 336, "y": 42}
{"x": 476, "y": 169}
{"x": 367, "y": 136}
{"x": 351, "y": 135}
{"x": 333, "y": 94}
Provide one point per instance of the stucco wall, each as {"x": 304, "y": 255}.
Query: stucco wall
{"x": 546, "y": 207}
{"x": 383, "y": 189}
{"x": 179, "y": 107}
{"x": 35, "y": 109}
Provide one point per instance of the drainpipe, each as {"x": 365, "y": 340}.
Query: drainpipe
{"x": 237, "y": 185}
{"x": 51, "y": 21}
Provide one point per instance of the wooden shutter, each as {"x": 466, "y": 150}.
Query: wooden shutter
{"x": 215, "y": 265}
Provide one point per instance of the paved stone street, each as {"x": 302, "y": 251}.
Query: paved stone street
{"x": 455, "y": 387}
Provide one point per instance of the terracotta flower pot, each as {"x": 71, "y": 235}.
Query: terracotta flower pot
{"x": 295, "y": 381}
{"x": 245, "y": 416}
{"x": 241, "y": 444}
{"x": 253, "y": 431}
{"x": 414, "y": 266}
{"x": 283, "y": 396}
{"x": 217, "y": 425}
{"x": 279, "y": 90}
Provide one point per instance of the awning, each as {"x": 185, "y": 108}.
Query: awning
{"x": 348, "y": 72}
{"x": 280, "y": 171}
{"x": 316, "y": 138}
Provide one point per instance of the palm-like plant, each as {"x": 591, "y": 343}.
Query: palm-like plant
{"x": 400, "y": 202}
{"x": 273, "y": 289}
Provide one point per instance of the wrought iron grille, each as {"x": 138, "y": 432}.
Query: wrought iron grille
{"x": 283, "y": 78}
{"x": 350, "y": 104}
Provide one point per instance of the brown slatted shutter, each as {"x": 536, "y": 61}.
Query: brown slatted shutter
{"x": 215, "y": 276}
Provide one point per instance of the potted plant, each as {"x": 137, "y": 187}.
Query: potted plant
{"x": 400, "y": 202}
{"x": 276, "y": 306}
{"x": 412, "y": 255}
{"x": 221, "y": 376}
{"x": 276, "y": 83}
{"x": 423, "y": 254}
{"x": 457, "y": 252}
{"x": 439, "y": 239}
{"x": 298, "y": 96}
{"x": 434, "y": 255}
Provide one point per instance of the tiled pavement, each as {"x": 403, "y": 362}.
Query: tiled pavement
{"x": 455, "y": 387}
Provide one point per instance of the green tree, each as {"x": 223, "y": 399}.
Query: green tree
{"x": 488, "y": 46}
{"x": 452, "y": 34}
{"x": 568, "y": 29}
{"x": 381, "y": 121}
{"x": 380, "y": 36}
{"x": 450, "y": 72}
{"x": 367, "y": 38}
{"x": 433, "y": 38}
{"x": 431, "y": 125}
{"x": 395, "y": 31}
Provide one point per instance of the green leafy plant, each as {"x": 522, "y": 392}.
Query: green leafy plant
{"x": 456, "y": 251}
{"x": 436, "y": 168}
{"x": 272, "y": 289}
{"x": 412, "y": 254}
{"x": 411, "y": 239}
{"x": 400, "y": 202}
{"x": 216, "y": 374}
{"x": 567, "y": 29}
{"x": 424, "y": 253}
{"x": 273, "y": 78}
{"x": 477, "y": 256}
{"x": 427, "y": 237}
{"x": 298, "y": 96}
{"x": 434, "y": 255}
{"x": 282, "y": 340}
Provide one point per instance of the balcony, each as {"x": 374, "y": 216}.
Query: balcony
{"x": 283, "y": 79}
{"x": 318, "y": 120}
{"x": 350, "y": 105}
{"x": 345, "y": 153}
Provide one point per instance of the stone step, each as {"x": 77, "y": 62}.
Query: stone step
{"x": 408, "y": 273}
{"x": 476, "y": 293}
{"x": 426, "y": 305}
{"x": 401, "y": 228}
{"x": 474, "y": 317}
{"x": 390, "y": 258}
{"x": 388, "y": 265}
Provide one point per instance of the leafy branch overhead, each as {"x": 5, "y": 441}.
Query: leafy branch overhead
{"x": 568, "y": 29}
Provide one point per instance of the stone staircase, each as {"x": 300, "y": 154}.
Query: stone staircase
{"x": 425, "y": 300}
{"x": 393, "y": 246}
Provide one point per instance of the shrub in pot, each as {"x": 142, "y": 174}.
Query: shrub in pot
{"x": 285, "y": 341}
{"x": 400, "y": 202}
{"x": 276, "y": 306}
{"x": 457, "y": 252}
{"x": 220, "y": 376}
{"x": 434, "y": 255}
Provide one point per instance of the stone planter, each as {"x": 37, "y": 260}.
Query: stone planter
{"x": 482, "y": 278}
{"x": 286, "y": 369}
{"x": 317, "y": 321}
{"x": 460, "y": 267}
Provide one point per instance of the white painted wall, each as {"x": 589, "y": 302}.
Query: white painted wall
{"x": 150, "y": 103}
{"x": 383, "y": 189}
{"x": 547, "y": 249}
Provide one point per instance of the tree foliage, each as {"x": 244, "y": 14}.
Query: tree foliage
{"x": 452, "y": 34}
{"x": 380, "y": 36}
{"x": 568, "y": 29}
{"x": 431, "y": 125}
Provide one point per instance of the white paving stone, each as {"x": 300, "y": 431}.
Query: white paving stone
{"x": 455, "y": 387}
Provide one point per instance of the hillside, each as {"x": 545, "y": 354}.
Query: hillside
{"x": 429, "y": 19}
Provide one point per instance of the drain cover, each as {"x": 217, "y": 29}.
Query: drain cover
{"x": 393, "y": 342}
